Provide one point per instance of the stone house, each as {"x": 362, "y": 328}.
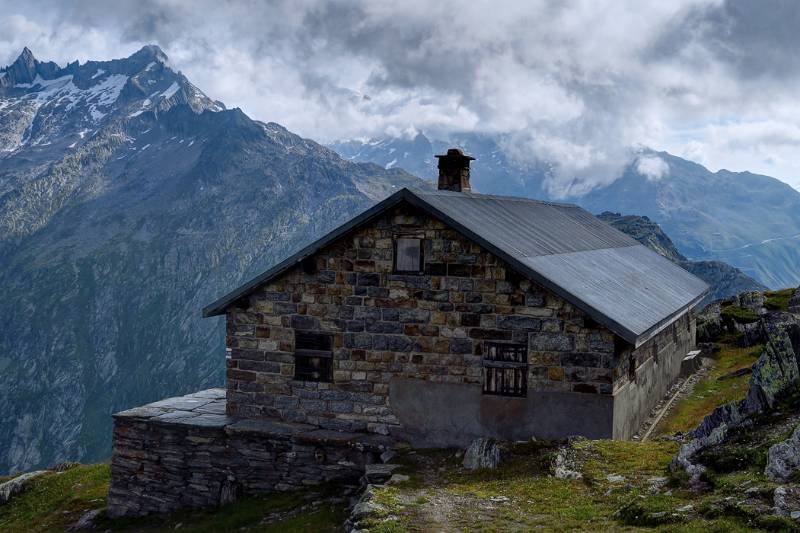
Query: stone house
{"x": 441, "y": 315}
{"x": 433, "y": 318}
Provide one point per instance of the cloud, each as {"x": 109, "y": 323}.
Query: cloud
{"x": 652, "y": 167}
{"x": 577, "y": 83}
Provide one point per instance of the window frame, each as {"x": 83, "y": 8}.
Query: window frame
{"x": 421, "y": 269}
{"x": 497, "y": 365}
{"x": 306, "y": 354}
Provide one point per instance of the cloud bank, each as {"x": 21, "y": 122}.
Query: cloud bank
{"x": 580, "y": 83}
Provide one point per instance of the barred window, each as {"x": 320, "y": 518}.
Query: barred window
{"x": 505, "y": 369}
{"x": 313, "y": 356}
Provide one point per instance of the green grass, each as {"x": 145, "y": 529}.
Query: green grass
{"x": 740, "y": 315}
{"x": 521, "y": 496}
{"x": 778, "y": 300}
{"x": 57, "y": 500}
{"x": 712, "y": 392}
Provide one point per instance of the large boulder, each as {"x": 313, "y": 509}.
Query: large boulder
{"x": 783, "y": 459}
{"x": 482, "y": 453}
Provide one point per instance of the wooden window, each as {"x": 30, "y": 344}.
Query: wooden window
{"x": 505, "y": 369}
{"x": 313, "y": 356}
{"x": 408, "y": 255}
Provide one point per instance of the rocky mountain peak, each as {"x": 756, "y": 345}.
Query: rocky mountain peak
{"x": 23, "y": 69}
{"x": 152, "y": 52}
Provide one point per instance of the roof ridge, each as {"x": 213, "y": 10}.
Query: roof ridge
{"x": 480, "y": 196}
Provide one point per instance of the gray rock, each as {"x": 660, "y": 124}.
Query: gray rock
{"x": 794, "y": 302}
{"x": 615, "y": 478}
{"x": 783, "y": 459}
{"x": 566, "y": 463}
{"x": 388, "y": 455}
{"x": 17, "y": 485}
{"x": 482, "y": 453}
{"x": 787, "y": 501}
{"x": 379, "y": 473}
{"x": 86, "y": 521}
{"x": 366, "y": 507}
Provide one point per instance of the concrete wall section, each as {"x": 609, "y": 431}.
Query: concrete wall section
{"x": 451, "y": 415}
{"x": 654, "y": 375}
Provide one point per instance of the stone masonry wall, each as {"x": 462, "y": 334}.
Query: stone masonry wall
{"x": 385, "y": 325}
{"x": 179, "y": 453}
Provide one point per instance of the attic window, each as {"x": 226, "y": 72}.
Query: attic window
{"x": 313, "y": 356}
{"x": 505, "y": 369}
{"x": 408, "y": 255}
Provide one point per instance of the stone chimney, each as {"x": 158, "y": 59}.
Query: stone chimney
{"x": 454, "y": 171}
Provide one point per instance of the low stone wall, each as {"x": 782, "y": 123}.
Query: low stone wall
{"x": 185, "y": 452}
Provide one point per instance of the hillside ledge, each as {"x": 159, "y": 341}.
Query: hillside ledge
{"x": 186, "y": 452}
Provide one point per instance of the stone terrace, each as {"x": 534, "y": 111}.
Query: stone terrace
{"x": 185, "y": 452}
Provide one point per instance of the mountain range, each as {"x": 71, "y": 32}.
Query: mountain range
{"x": 128, "y": 201}
{"x": 748, "y": 220}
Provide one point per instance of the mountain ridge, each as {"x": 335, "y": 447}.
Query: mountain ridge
{"x": 747, "y": 220}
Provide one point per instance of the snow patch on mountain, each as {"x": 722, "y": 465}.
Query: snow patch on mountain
{"x": 172, "y": 89}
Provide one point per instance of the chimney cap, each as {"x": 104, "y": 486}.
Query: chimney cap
{"x": 456, "y": 153}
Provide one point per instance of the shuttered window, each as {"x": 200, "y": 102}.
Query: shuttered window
{"x": 505, "y": 369}
{"x": 408, "y": 254}
{"x": 313, "y": 356}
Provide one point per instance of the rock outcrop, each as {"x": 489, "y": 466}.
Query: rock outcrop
{"x": 775, "y": 374}
{"x": 15, "y": 486}
{"x": 783, "y": 459}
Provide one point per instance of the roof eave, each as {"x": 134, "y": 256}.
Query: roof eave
{"x": 663, "y": 324}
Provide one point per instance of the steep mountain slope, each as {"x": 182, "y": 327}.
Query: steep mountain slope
{"x": 723, "y": 279}
{"x": 747, "y": 220}
{"x": 128, "y": 201}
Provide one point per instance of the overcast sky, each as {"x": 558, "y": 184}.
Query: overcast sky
{"x": 579, "y": 83}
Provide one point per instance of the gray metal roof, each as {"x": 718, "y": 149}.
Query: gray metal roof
{"x": 617, "y": 281}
